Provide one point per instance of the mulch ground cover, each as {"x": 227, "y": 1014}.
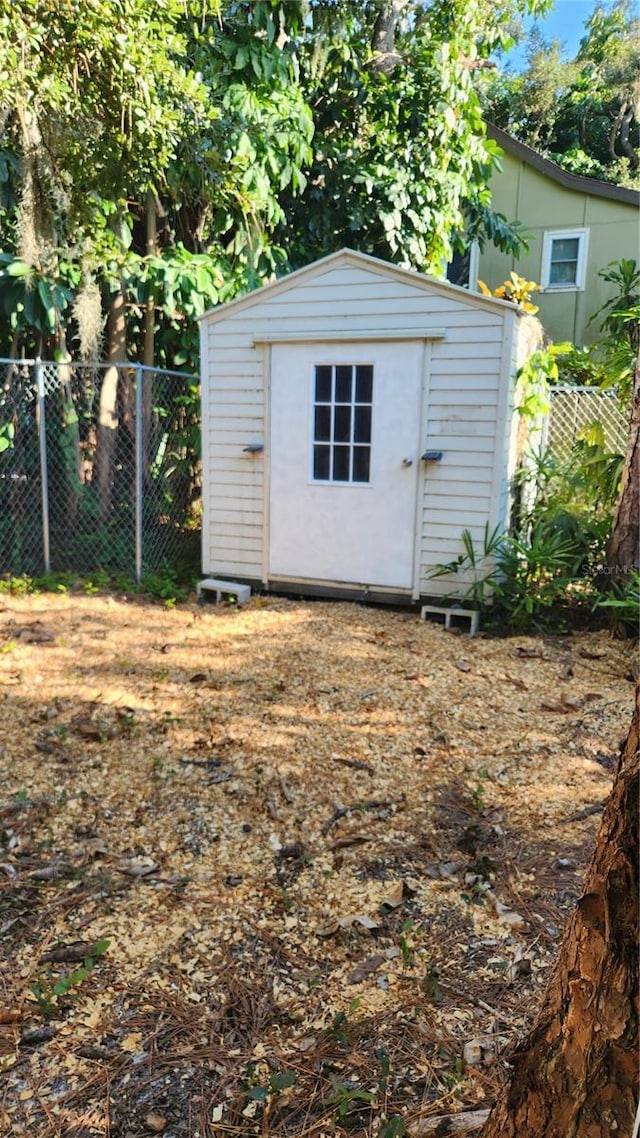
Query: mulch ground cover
{"x": 291, "y": 869}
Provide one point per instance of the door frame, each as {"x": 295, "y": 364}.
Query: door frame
{"x": 426, "y": 336}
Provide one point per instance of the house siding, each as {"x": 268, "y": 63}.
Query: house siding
{"x": 525, "y": 194}
{"x": 468, "y": 376}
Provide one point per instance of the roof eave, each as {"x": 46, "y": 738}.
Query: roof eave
{"x": 576, "y": 182}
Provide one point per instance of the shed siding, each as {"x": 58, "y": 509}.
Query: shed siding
{"x": 465, "y": 392}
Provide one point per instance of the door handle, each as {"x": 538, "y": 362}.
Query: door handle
{"x": 407, "y": 462}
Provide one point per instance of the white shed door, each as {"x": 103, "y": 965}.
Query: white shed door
{"x": 344, "y": 461}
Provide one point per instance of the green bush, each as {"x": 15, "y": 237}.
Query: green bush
{"x": 551, "y": 562}
{"x": 623, "y": 602}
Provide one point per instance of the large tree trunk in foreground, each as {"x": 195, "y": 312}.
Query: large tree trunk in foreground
{"x": 575, "y": 1075}
{"x": 623, "y": 551}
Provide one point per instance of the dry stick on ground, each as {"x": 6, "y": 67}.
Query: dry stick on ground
{"x": 356, "y": 765}
{"x": 374, "y": 804}
{"x": 444, "y": 1124}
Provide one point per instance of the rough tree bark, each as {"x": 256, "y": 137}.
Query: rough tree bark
{"x": 108, "y": 413}
{"x": 621, "y": 133}
{"x": 385, "y": 56}
{"x": 575, "y": 1075}
{"x": 149, "y": 331}
{"x": 623, "y": 550}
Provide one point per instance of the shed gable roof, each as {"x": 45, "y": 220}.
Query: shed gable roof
{"x": 359, "y": 260}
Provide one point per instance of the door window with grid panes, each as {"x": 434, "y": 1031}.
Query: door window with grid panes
{"x": 342, "y": 405}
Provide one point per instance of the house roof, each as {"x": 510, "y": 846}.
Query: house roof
{"x": 575, "y": 182}
{"x": 363, "y": 261}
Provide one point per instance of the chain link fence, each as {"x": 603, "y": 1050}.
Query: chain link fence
{"x": 575, "y": 411}
{"x": 99, "y": 468}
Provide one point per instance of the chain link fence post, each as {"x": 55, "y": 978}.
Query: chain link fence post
{"x": 140, "y": 465}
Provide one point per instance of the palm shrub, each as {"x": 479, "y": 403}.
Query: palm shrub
{"x": 552, "y": 559}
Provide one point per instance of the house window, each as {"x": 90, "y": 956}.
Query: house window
{"x": 564, "y": 257}
{"x": 342, "y": 408}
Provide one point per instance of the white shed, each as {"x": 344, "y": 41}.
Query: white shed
{"x": 356, "y": 418}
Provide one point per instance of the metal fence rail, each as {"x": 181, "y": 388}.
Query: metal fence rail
{"x": 574, "y": 410}
{"x": 99, "y": 467}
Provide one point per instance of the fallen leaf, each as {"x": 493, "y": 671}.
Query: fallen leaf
{"x": 138, "y": 867}
{"x": 34, "y": 634}
{"x": 90, "y": 1051}
{"x": 35, "y": 1035}
{"x": 69, "y": 952}
{"x": 510, "y": 917}
{"x": 346, "y": 922}
{"x": 444, "y": 869}
{"x": 358, "y": 919}
{"x": 519, "y": 966}
{"x": 155, "y": 1122}
{"x": 365, "y": 968}
{"x": 87, "y": 727}
{"x": 394, "y": 897}
{"x": 472, "y": 1053}
{"x": 344, "y": 843}
{"x": 462, "y": 1123}
{"x": 517, "y": 683}
{"x": 49, "y": 872}
{"x": 131, "y": 1042}
{"x": 480, "y": 1051}
{"x": 563, "y": 706}
{"x": 327, "y": 930}
{"x": 504, "y": 914}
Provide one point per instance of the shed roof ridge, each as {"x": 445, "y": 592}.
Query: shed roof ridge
{"x": 364, "y": 261}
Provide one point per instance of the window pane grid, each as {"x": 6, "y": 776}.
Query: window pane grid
{"x": 342, "y": 423}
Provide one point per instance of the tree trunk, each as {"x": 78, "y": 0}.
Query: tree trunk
{"x": 383, "y": 46}
{"x": 108, "y": 413}
{"x": 149, "y": 330}
{"x": 150, "y": 307}
{"x": 623, "y": 551}
{"x": 575, "y": 1075}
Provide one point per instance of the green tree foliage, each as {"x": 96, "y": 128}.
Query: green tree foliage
{"x": 106, "y": 103}
{"x": 400, "y": 155}
{"x": 158, "y": 158}
{"x": 581, "y": 113}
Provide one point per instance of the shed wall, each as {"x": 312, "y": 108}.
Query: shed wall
{"x": 465, "y": 408}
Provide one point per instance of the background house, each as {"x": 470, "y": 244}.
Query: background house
{"x": 576, "y": 225}
{"x": 356, "y": 418}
